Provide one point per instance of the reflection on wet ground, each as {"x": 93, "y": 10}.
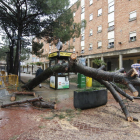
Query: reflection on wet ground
{"x": 21, "y": 118}
{"x": 56, "y": 95}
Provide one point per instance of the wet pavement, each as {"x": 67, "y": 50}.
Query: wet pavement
{"x": 25, "y": 122}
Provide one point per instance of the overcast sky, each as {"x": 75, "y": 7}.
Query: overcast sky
{"x": 73, "y": 1}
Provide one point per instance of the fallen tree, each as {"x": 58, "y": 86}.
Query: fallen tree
{"x": 108, "y": 79}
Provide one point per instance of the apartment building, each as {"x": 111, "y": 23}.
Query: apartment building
{"x": 112, "y": 33}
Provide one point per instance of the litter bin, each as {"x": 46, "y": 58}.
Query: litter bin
{"x": 88, "y": 82}
{"x": 81, "y": 81}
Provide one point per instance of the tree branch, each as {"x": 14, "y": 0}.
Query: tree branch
{"x": 8, "y": 7}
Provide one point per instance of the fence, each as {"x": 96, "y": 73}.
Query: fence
{"x": 7, "y": 81}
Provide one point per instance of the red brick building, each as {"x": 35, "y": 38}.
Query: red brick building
{"x": 112, "y": 33}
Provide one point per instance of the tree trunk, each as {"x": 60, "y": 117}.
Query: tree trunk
{"x": 32, "y": 68}
{"x": 16, "y": 64}
{"x": 46, "y": 74}
{"x": 21, "y": 102}
{"x": 87, "y": 71}
{"x": 27, "y": 68}
{"x": 13, "y": 96}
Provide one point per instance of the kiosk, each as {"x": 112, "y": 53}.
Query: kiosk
{"x": 59, "y": 80}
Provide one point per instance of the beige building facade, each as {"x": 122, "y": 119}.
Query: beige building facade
{"x": 112, "y": 33}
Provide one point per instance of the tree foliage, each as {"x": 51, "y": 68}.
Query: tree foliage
{"x": 2, "y": 52}
{"x": 24, "y": 53}
{"x": 39, "y": 63}
{"x": 23, "y": 18}
{"x": 98, "y": 62}
{"x": 37, "y": 48}
{"x": 63, "y": 27}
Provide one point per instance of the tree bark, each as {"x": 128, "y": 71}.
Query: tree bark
{"x": 87, "y": 71}
{"x": 43, "y": 104}
{"x": 122, "y": 92}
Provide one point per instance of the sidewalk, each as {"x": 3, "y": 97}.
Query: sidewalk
{"x": 107, "y": 122}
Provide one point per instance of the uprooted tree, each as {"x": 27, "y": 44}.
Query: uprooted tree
{"x": 108, "y": 79}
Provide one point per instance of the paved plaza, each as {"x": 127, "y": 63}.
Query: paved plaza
{"x": 25, "y": 122}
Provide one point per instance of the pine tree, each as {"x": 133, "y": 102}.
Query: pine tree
{"x": 31, "y": 17}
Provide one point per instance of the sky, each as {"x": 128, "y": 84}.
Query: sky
{"x": 72, "y": 1}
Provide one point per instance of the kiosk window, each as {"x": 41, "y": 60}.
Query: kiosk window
{"x": 59, "y": 61}
{"x": 52, "y": 63}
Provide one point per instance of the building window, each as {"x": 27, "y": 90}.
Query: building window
{"x": 99, "y": 44}
{"x": 132, "y": 36}
{"x": 74, "y": 39}
{"x": 111, "y": 39}
{"x": 90, "y": 2}
{"x": 82, "y": 50}
{"x": 73, "y": 14}
{"x": 73, "y": 26}
{"x": 83, "y": 10}
{"x": 82, "y": 38}
{"x": 111, "y": 43}
{"x": 111, "y": 26}
{"x": 90, "y": 16}
{"x": 111, "y": 7}
{"x": 50, "y": 49}
{"x": 132, "y": 16}
{"x": 109, "y": 1}
{"x": 82, "y": 3}
{"x": 82, "y": 16}
{"x": 82, "y": 30}
{"x": 83, "y": 24}
{"x": 100, "y": 29}
{"x": 90, "y": 46}
{"x": 73, "y": 50}
{"x": 100, "y": 12}
{"x": 111, "y": 17}
{"x": 90, "y": 32}
{"x": 138, "y": 61}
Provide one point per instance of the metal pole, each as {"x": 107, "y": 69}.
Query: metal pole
{"x": 19, "y": 56}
